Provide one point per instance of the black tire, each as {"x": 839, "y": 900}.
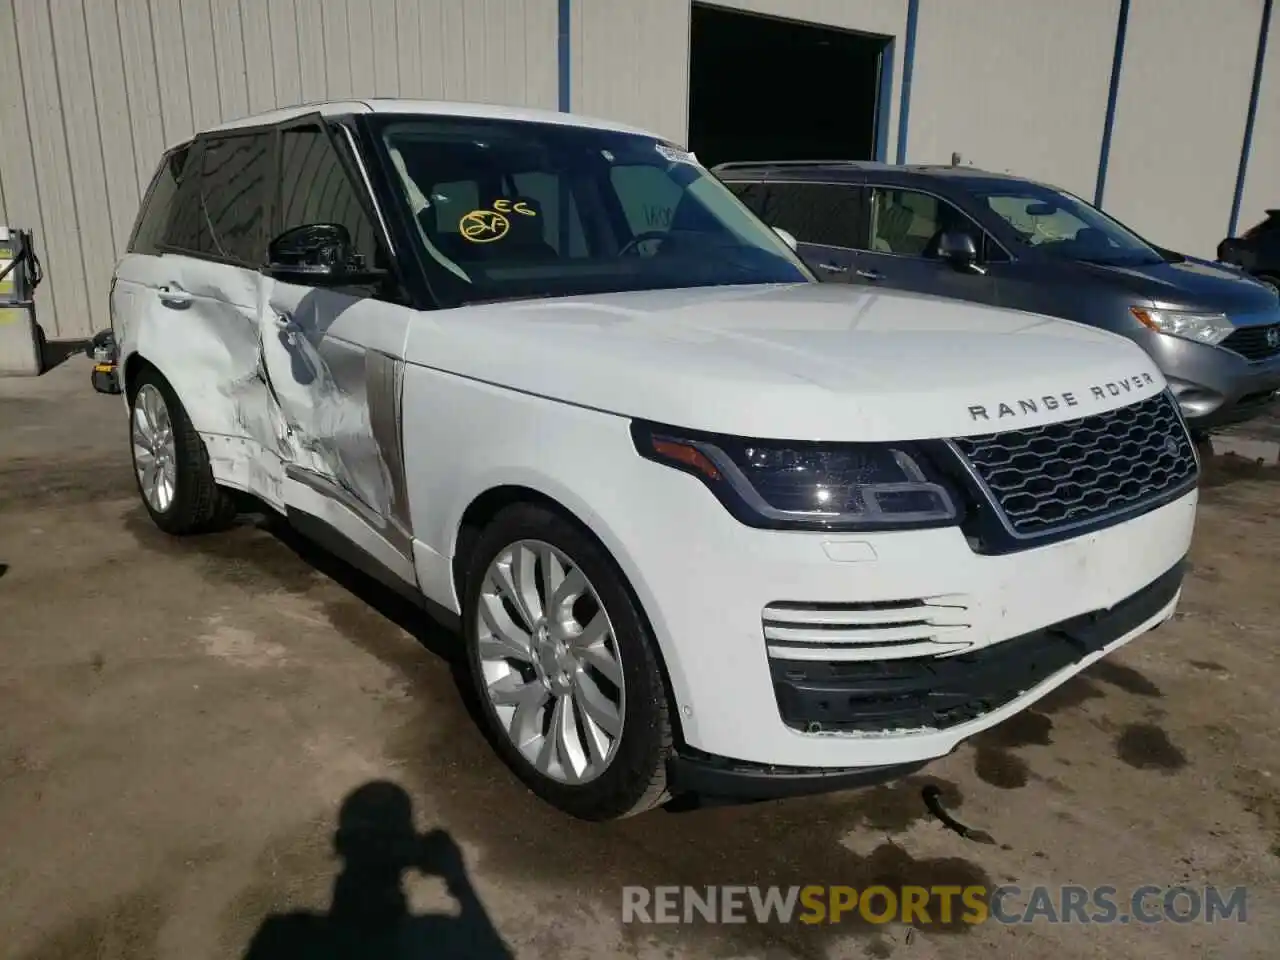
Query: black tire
{"x": 635, "y": 779}
{"x": 199, "y": 505}
{"x": 1271, "y": 281}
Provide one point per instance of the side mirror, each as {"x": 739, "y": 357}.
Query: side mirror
{"x": 958, "y": 249}
{"x": 787, "y": 238}
{"x": 318, "y": 254}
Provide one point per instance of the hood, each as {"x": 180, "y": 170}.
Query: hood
{"x": 817, "y": 361}
{"x": 1191, "y": 284}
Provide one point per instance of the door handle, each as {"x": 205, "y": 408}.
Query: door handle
{"x": 833, "y": 268}
{"x": 174, "y": 297}
{"x": 870, "y": 274}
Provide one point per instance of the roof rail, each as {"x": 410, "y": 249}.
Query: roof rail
{"x": 734, "y": 164}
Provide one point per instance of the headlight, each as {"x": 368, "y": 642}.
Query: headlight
{"x": 1208, "y": 328}
{"x": 783, "y": 484}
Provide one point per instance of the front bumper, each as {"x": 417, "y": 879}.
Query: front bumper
{"x": 942, "y": 692}
{"x": 918, "y": 693}
{"x": 707, "y": 590}
{"x": 1214, "y": 386}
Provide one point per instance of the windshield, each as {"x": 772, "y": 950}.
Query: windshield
{"x": 510, "y": 209}
{"x": 1064, "y": 226}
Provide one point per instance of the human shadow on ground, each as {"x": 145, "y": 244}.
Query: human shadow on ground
{"x": 369, "y": 916}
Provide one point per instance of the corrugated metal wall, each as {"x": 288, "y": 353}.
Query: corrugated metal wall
{"x": 92, "y": 90}
{"x": 1014, "y": 85}
{"x": 1180, "y": 118}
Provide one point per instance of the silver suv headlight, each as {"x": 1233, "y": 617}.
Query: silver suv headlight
{"x": 1210, "y": 328}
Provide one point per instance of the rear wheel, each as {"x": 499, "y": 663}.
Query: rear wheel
{"x": 171, "y": 464}
{"x": 565, "y": 667}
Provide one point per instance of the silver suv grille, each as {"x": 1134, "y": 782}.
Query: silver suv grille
{"x": 1067, "y": 474}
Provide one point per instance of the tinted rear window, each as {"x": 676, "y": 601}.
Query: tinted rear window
{"x": 826, "y": 214}
{"x": 157, "y": 206}
{"x": 220, "y": 212}
{"x": 234, "y": 174}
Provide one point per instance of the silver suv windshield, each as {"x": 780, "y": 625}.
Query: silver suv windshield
{"x": 512, "y": 209}
{"x": 1064, "y": 226}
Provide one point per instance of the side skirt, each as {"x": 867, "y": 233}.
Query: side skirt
{"x": 323, "y": 535}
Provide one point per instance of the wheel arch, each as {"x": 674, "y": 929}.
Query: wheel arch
{"x": 134, "y": 364}
{"x": 497, "y": 497}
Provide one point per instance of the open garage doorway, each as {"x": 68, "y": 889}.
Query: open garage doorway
{"x": 765, "y": 88}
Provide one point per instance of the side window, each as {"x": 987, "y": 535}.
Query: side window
{"x": 753, "y": 195}
{"x": 188, "y": 227}
{"x": 648, "y": 197}
{"x": 910, "y": 224}
{"x": 222, "y": 206}
{"x": 158, "y": 205}
{"x": 315, "y": 188}
{"x": 231, "y": 205}
{"x": 826, "y": 214}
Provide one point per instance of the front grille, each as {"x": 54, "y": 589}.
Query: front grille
{"x": 1065, "y": 474}
{"x": 1253, "y": 344}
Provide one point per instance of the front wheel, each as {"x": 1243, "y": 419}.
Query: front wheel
{"x": 171, "y": 463}
{"x": 565, "y": 667}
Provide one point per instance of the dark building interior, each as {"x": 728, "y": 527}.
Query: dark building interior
{"x": 764, "y": 88}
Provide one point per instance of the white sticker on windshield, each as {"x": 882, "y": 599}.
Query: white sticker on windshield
{"x": 674, "y": 155}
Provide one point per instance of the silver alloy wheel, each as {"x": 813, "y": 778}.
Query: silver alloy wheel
{"x": 550, "y": 662}
{"x": 155, "y": 454}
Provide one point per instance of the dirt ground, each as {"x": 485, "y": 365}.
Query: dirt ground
{"x": 180, "y": 723}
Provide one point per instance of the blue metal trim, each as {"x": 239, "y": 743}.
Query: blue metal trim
{"x": 1117, "y": 62}
{"x": 1247, "y": 146}
{"x": 908, "y": 61}
{"x": 563, "y": 55}
{"x": 883, "y": 102}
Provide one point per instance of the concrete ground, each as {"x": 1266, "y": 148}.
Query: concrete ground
{"x": 180, "y": 722}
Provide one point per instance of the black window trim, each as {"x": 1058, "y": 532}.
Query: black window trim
{"x": 982, "y": 231}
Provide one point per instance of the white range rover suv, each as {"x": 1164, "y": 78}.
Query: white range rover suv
{"x": 705, "y": 524}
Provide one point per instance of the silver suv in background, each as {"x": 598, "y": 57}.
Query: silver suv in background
{"x": 990, "y": 238}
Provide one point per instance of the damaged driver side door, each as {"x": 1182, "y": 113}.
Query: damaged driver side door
{"x": 333, "y": 319}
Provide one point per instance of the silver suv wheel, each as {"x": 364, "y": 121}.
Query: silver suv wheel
{"x": 550, "y": 662}
{"x": 155, "y": 456}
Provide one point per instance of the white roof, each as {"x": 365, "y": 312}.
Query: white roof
{"x": 443, "y": 108}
